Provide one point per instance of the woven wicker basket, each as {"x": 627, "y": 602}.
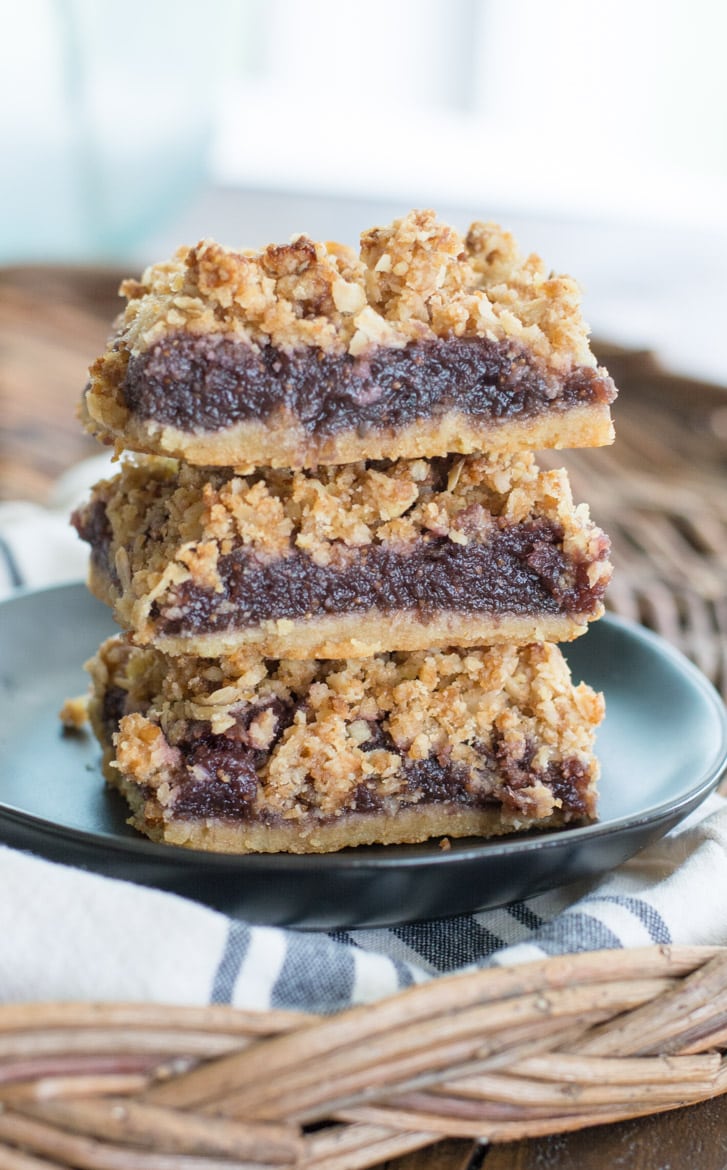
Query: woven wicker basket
{"x": 499, "y": 1054}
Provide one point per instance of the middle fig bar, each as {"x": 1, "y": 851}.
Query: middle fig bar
{"x": 345, "y": 561}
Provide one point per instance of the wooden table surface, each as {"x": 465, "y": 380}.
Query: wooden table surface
{"x": 53, "y": 322}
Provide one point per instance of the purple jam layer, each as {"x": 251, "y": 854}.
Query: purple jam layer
{"x": 521, "y": 570}
{"x": 221, "y": 775}
{"x": 92, "y": 524}
{"x": 209, "y": 382}
{"x": 230, "y": 788}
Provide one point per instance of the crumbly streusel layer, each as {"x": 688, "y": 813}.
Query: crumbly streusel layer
{"x": 245, "y": 754}
{"x": 305, "y": 353}
{"x": 346, "y": 561}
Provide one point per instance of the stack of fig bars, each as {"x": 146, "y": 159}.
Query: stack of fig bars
{"x": 341, "y": 575}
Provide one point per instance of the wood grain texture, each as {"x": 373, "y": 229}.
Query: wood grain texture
{"x": 659, "y": 492}
{"x": 688, "y": 1139}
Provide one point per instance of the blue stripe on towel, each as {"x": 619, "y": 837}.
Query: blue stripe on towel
{"x": 522, "y": 913}
{"x": 453, "y": 943}
{"x": 647, "y": 914}
{"x": 573, "y": 932}
{"x": 404, "y": 976}
{"x": 317, "y": 974}
{"x": 229, "y": 966}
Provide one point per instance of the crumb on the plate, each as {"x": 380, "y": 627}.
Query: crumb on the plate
{"x": 74, "y": 713}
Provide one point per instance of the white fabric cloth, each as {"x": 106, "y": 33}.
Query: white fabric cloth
{"x": 68, "y": 934}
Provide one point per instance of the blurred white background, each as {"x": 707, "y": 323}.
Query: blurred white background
{"x": 596, "y": 131}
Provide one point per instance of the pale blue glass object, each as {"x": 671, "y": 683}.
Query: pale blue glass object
{"x": 105, "y": 121}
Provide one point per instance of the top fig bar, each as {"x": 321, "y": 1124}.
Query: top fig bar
{"x": 424, "y": 344}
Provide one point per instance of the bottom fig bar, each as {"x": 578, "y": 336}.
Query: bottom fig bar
{"x": 245, "y": 754}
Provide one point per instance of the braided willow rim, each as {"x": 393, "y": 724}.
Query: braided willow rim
{"x": 496, "y": 1055}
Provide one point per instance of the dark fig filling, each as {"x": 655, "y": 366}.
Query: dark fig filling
{"x": 522, "y": 569}
{"x": 208, "y": 382}
{"x": 92, "y": 524}
{"x": 222, "y": 776}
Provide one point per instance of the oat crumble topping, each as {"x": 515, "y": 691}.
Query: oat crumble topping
{"x": 416, "y": 279}
{"x": 442, "y": 704}
{"x": 171, "y": 522}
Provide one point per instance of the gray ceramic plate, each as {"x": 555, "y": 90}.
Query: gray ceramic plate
{"x": 663, "y": 747}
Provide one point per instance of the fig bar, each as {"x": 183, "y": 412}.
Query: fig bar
{"x": 425, "y": 343}
{"x": 244, "y": 754}
{"x": 345, "y": 561}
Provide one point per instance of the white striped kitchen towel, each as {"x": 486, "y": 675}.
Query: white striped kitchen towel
{"x": 68, "y": 934}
